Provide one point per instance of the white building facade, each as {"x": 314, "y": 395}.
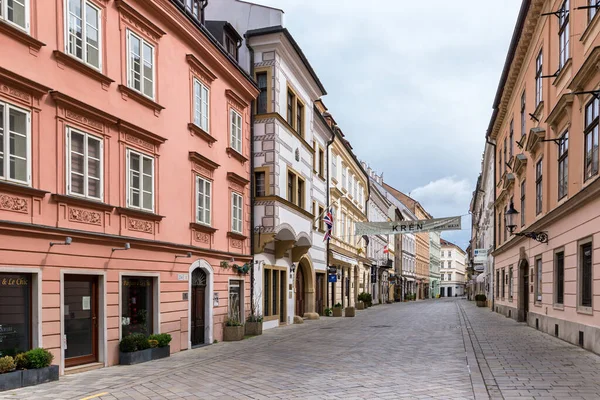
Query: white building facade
{"x": 452, "y": 270}
{"x": 434, "y": 264}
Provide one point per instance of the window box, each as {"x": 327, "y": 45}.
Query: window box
{"x": 141, "y": 356}
{"x": 233, "y": 333}
{"x": 83, "y": 68}
{"x": 350, "y": 312}
{"x": 337, "y": 311}
{"x": 28, "y": 377}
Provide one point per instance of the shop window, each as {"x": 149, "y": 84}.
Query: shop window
{"x": 15, "y": 314}
{"x": 137, "y": 302}
{"x": 235, "y": 311}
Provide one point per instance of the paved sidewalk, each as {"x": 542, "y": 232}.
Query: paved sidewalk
{"x": 434, "y": 349}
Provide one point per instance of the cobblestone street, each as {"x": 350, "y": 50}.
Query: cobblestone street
{"x": 443, "y": 349}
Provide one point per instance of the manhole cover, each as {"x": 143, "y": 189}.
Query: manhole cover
{"x": 381, "y": 326}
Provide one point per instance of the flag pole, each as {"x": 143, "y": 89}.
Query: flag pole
{"x": 328, "y": 207}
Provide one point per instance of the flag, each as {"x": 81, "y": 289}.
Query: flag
{"x": 385, "y": 249}
{"x": 328, "y": 219}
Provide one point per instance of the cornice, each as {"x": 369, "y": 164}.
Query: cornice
{"x": 135, "y": 15}
{"x": 141, "y": 133}
{"x": 80, "y": 107}
{"x": 21, "y": 189}
{"x": 82, "y": 67}
{"x": 587, "y": 71}
{"x": 21, "y": 36}
{"x": 20, "y": 82}
{"x": 240, "y": 180}
{"x": 196, "y": 63}
{"x": 562, "y": 108}
{"x": 203, "y": 161}
{"x": 232, "y": 96}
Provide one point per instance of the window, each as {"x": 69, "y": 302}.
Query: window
{"x": 231, "y": 46}
{"x": 15, "y": 314}
{"x": 314, "y": 163}
{"x": 291, "y": 183}
{"x": 538, "y": 78}
{"x": 500, "y": 164}
{"x": 510, "y": 140}
{"x": 83, "y": 32}
{"x": 15, "y": 12}
{"x": 140, "y": 65}
{"x": 334, "y": 171}
{"x": 449, "y": 277}
{"x": 449, "y": 264}
{"x": 503, "y": 282}
{"x": 260, "y": 184}
{"x": 355, "y": 188}
{"x": 505, "y": 228}
{"x": 343, "y": 227}
{"x": 538, "y": 279}
{"x": 593, "y": 10}
{"x": 84, "y": 164}
{"x": 500, "y": 217}
{"x": 585, "y": 254}
{"x": 563, "y": 166}
{"x": 203, "y": 205}
{"x": 193, "y": 7}
{"x": 510, "y": 283}
{"x": 538, "y": 187}
{"x": 137, "y": 303}
{"x": 236, "y": 131}
{"x": 290, "y": 108}
{"x": 442, "y": 264}
{"x": 350, "y": 183}
{"x": 321, "y": 222}
{"x": 505, "y": 157}
{"x": 140, "y": 181}
{"x": 15, "y": 144}
{"x": 300, "y": 197}
{"x": 449, "y": 253}
{"x": 563, "y": 34}
{"x": 344, "y": 177}
{"x": 321, "y": 162}
{"x": 235, "y": 310}
{"x": 274, "y": 282}
{"x": 295, "y": 189}
{"x": 523, "y": 188}
{"x": 497, "y": 283}
{"x": 591, "y": 139}
{"x": 236, "y": 213}
{"x": 523, "y": 119}
{"x": 559, "y": 265}
{"x": 300, "y": 118}
{"x": 201, "y": 108}
{"x": 261, "y": 102}
{"x": 333, "y": 215}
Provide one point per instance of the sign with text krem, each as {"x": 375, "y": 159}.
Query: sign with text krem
{"x": 403, "y": 227}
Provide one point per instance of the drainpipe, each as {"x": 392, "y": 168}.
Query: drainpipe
{"x": 487, "y": 140}
{"x": 329, "y": 143}
{"x": 252, "y": 183}
{"x": 203, "y": 5}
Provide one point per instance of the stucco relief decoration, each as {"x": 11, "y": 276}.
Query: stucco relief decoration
{"x": 131, "y": 21}
{"x": 85, "y": 216}
{"x": 297, "y": 153}
{"x": 200, "y": 75}
{"x": 236, "y": 243}
{"x": 202, "y": 170}
{"x": 236, "y": 187}
{"x": 140, "y": 225}
{"x": 16, "y": 93}
{"x": 15, "y": 204}
{"x": 202, "y": 237}
{"x": 84, "y": 120}
{"x": 139, "y": 142}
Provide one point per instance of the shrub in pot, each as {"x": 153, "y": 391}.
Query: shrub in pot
{"x": 328, "y": 312}
{"x": 481, "y": 300}
{"x": 254, "y": 325}
{"x": 337, "y": 310}
{"x": 360, "y": 305}
{"x": 137, "y": 348}
{"x": 162, "y": 348}
{"x": 350, "y": 312}
{"x": 39, "y": 368}
{"x": 233, "y": 330}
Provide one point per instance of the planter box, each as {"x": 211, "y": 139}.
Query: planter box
{"x": 142, "y": 356}
{"x": 360, "y": 305}
{"x": 481, "y": 303}
{"x": 350, "y": 312}
{"x": 254, "y": 328}
{"x": 28, "y": 377}
{"x": 11, "y": 380}
{"x": 233, "y": 333}
{"x": 337, "y": 311}
{"x": 33, "y": 377}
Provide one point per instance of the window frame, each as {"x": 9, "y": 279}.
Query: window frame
{"x": 563, "y": 34}
{"x": 128, "y": 33}
{"x": 539, "y": 88}
{"x": 563, "y": 165}
{"x": 256, "y": 190}
{"x": 591, "y": 128}
{"x": 559, "y": 295}
{"x": 233, "y": 127}
{"x": 4, "y": 13}
{"x": 86, "y": 135}
{"x": 580, "y": 279}
{"x": 503, "y": 272}
{"x": 205, "y": 182}
{"x": 201, "y": 85}
{"x": 128, "y": 180}
{"x": 511, "y": 140}
{"x": 262, "y": 91}
{"x": 523, "y": 108}
{"x": 593, "y": 9}
{"x": 539, "y": 270}
{"x": 510, "y": 282}
{"x": 523, "y": 201}
{"x": 539, "y": 189}
{"x": 6, "y": 107}
{"x": 234, "y": 217}
{"x": 67, "y": 25}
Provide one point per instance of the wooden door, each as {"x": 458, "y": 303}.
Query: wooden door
{"x": 299, "y": 292}
{"x": 81, "y": 319}
{"x": 525, "y": 291}
{"x": 198, "y": 307}
{"x": 320, "y": 288}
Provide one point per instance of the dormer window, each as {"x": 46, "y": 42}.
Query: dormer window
{"x": 231, "y": 47}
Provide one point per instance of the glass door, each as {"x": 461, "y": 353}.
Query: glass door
{"x": 81, "y": 319}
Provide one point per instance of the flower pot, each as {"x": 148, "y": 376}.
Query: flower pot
{"x": 33, "y": 377}
{"x": 480, "y": 303}
{"x": 160, "y": 352}
{"x": 337, "y": 311}
{"x": 11, "y": 380}
{"x": 135, "y": 357}
{"x": 350, "y": 312}
{"x": 360, "y": 305}
{"x": 233, "y": 333}
{"x": 254, "y": 328}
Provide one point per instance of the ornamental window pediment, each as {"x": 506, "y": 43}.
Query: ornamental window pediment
{"x": 519, "y": 164}
{"x": 534, "y": 139}
{"x": 561, "y": 111}
{"x": 587, "y": 71}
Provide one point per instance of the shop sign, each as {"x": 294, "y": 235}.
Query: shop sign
{"x": 21, "y": 281}
{"x": 480, "y": 256}
{"x": 137, "y": 282}
{"x": 332, "y": 278}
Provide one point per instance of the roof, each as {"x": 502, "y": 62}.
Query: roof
{"x": 446, "y": 243}
{"x": 260, "y": 5}
{"x": 509, "y": 59}
{"x": 406, "y": 199}
{"x": 280, "y": 29}
{"x": 216, "y": 28}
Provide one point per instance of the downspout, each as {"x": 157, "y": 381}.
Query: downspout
{"x": 203, "y": 5}
{"x": 329, "y": 143}
{"x": 252, "y": 183}
{"x": 487, "y": 140}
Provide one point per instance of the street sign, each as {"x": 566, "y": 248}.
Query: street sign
{"x": 332, "y": 278}
{"x": 480, "y": 256}
{"x": 332, "y": 270}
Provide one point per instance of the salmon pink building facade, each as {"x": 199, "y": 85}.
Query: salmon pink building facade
{"x": 547, "y": 197}
{"x": 124, "y": 177}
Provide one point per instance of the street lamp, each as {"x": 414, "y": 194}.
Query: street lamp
{"x": 509, "y": 221}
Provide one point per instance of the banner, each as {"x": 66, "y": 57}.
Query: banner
{"x": 403, "y": 227}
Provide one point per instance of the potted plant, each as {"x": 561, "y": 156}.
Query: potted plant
{"x": 233, "y": 330}
{"x": 137, "y": 348}
{"x": 254, "y": 321}
{"x": 350, "y": 312}
{"x": 337, "y": 310}
{"x": 27, "y": 369}
{"x": 481, "y": 300}
{"x": 159, "y": 345}
{"x": 328, "y": 312}
{"x": 366, "y": 298}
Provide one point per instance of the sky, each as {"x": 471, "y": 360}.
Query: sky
{"x": 411, "y": 84}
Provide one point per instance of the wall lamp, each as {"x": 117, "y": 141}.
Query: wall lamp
{"x": 188, "y": 255}
{"x": 126, "y": 247}
{"x": 293, "y": 268}
{"x": 510, "y": 216}
{"x": 68, "y": 241}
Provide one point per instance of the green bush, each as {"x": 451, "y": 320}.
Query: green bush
{"x": 39, "y": 358}
{"x": 153, "y": 343}
{"x": 480, "y": 297}
{"x": 328, "y": 312}
{"x": 7, "y": 364}
{"x": 366, "y": 298}
{"x": 134, "y": 342}
{"x": 254, "y": 318}
{"x": 338, "y": 305}
{"x": 232, "y": 322}
{"x": 163, "y": 339}
{"x": 22, "y": 361}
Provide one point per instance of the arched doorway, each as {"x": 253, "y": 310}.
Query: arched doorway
{"x": 304, "y": 287}
{"x": 200, "y": 310}
{"x": 300, "y": 291}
